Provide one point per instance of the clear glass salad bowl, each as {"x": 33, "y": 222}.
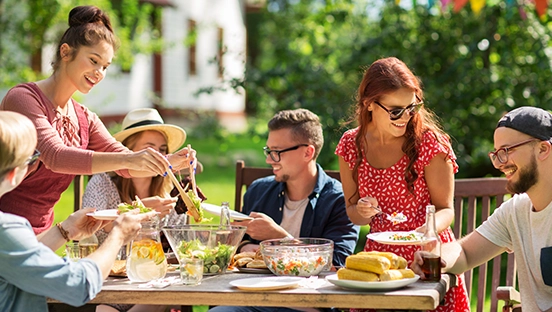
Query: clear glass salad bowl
{"x": 297, "y": 256}
{"x": 214, "y": 244}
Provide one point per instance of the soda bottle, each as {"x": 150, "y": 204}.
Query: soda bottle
{"x": 431, "y": 243}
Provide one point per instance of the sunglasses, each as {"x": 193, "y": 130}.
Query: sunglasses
{"x": 275, "y": 154}
{"x": 396, "y": 113}
{"x": 502, "y": 153}
{"x": 33, "y": 158}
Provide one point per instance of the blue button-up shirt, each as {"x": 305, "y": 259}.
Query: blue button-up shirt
{"x": 30, "y": 271}
{"x": 325, "y": 215}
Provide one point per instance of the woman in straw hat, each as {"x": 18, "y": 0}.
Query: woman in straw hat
{"x": 71, "y": 139}
{"x": 142, "y": 128}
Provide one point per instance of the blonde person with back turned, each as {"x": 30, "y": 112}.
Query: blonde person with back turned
{"x": 30, "y": 270}
{"x": 71, "y": 139}
{"x": 399, "y": 160}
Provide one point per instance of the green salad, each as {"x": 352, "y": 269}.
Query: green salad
{"x": 215, "y": 260}
{"x": 124, "y": 207}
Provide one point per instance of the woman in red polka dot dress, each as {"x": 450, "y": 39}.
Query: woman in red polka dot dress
{"x": 400, "y": 160}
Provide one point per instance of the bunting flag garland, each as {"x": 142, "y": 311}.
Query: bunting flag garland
{"x": 541, "y": 7}
{"x": 459, "y": 4}
{"x": 477, "y": 5}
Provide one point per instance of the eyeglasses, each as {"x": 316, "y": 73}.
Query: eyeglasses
{"x": 29, "y": 162}
{"x": 275, "y": 154}
{"x": 396, "y": 113}
{"x": 502, "y": 153}
{"x": 33, "y": 158}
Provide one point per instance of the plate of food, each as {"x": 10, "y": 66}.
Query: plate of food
{"x": 216, "y": 210}
{"x": 108, "y": 214}
{"x": 267, "y": 283}
{"x": 397, "y": 238}
{"x": 386, "y": 285}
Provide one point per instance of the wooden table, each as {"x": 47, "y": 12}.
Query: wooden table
{"x": 216, "y": 290}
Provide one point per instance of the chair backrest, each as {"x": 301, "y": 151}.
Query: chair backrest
{"x": 246, "y": 175}
{"x": 473, "y": 199}
{"x": 78, "y": 191}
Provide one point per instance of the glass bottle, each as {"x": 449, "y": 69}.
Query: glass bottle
{"x": 147, "y": 260}
{"x": 225, "y": 214}
{"x": 88, "y": 245}
{"x": 431, "y": 243}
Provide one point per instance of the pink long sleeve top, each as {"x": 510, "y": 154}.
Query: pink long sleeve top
{"x": 66, "y": 143}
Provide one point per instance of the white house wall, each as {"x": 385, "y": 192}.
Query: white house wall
{"x": 179, "y": 86}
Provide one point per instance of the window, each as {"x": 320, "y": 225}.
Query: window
{"x": 220, "y": 52}
{"x": 191, "y": 43}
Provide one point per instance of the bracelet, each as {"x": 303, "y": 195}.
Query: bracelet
{"x": 63, "y": 232}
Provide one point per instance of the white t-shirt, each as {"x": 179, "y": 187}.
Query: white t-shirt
{"x": 516, "y": 226}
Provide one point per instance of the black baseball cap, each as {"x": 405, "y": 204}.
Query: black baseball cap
{"x": 530, "y": 120}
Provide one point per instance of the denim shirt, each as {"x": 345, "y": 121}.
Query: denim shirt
{"x": 30, "y": 271}
{"x": 325, "y": 215}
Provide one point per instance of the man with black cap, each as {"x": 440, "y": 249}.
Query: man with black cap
{"x": 523, "y": 152}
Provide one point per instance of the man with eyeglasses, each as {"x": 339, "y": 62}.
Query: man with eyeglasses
{"x": 30, "y": 270}
{"x": 300, "y": 199}
{"x": 523, "y": 152}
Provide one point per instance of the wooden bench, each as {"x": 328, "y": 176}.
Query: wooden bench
{"x": 473, "y": 200}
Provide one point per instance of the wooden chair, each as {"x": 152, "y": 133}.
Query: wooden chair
{"x": 246, "y": 175}
{"x": 473, "y": 199}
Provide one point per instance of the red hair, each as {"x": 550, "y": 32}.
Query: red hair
{"x": 386, "y": 76}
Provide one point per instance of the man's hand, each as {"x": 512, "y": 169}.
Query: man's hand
{"x": 263, "y": 227}
{"x": 79, "y": 225}
{"x": 418, "y": 261}
{"x": 128, "y": 224}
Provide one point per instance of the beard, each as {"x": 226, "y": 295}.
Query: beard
{"x": 527, "y": 178}
{"x": 283, "y": 178}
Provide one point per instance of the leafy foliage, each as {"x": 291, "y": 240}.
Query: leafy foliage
{"x": 29, "y": 26}
{"x": 474, "y": 68}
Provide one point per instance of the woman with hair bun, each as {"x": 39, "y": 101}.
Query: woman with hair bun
{"x": 72, "y": 140}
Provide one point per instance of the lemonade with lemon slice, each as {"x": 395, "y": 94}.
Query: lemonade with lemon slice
{"x": 147, "y": 261}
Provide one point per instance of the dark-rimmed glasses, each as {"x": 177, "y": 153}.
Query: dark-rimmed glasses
{"x": 275, "y": 154}
{"x": 396, "y": 113}
{"x": 33, "y": 158}
{"x": 29, "y": 162}
{"x": 502, "y": 153}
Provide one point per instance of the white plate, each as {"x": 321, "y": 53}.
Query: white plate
{"x": 108, "y": 214}
{"x": 387, "y": 285}
{"x": 267, "y": 283}
{"x": 214, "y": 209}
{"x": 386, "y": 238}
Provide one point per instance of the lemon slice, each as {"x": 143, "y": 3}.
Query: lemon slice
{"x": 143, "y": 252}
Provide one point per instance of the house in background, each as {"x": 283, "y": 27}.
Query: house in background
{"x": 171, "y": 80}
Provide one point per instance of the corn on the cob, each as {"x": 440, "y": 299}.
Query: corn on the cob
{"x": 391, "y": 275}
{"x": 393, "y": 258}
{"x": 369, "y": 263}
{"x": 355, "y": 275}
{"x": 403, "y": 264}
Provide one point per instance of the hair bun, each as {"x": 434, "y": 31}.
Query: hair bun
{"x": 82, "y": 15}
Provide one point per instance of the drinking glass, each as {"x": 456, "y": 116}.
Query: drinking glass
{"x": 73, "y": 251}
{"x": 191, "y": 271}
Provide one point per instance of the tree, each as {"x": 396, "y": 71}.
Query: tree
{"x": 474, "y": 67}
{"x": 28, "y": 27}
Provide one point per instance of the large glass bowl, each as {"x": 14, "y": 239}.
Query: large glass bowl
{"x": 214, "y": 244}
{"x": 297, "y": 256}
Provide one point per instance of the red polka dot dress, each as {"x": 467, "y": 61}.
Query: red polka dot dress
{"x": 389, "y": 187}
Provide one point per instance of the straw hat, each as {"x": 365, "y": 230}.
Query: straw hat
{"x": 142, "y": 119}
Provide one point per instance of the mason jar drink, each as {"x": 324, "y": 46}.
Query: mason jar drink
{"x": 146, "y": 260}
